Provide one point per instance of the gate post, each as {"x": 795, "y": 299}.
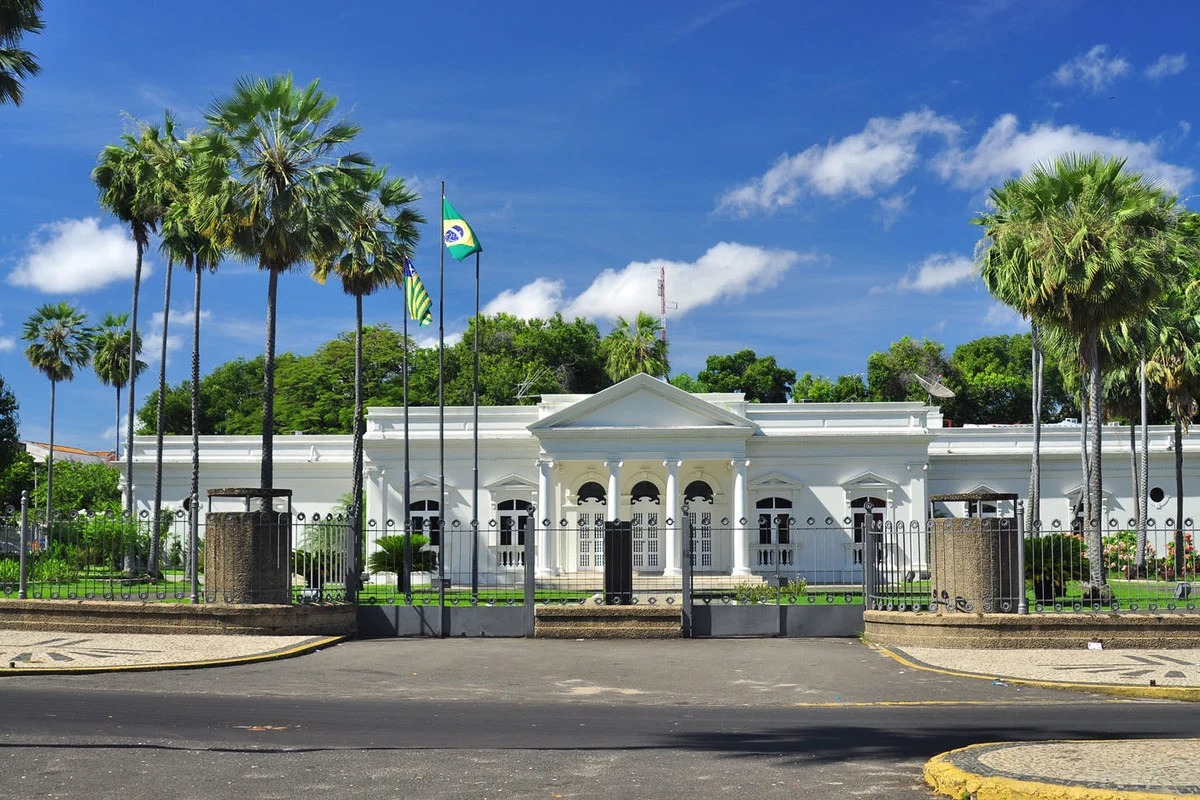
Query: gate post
{"x": 23, "y": 577}
{"x": 870, "y": 562}
{"x": 687, "y": 572}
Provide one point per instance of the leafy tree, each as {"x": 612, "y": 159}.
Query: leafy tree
{"x": 277, "y": 147}
{"x": 80, "y": 486}
{"x": 16, "y": 478}
{"x": 111, "y": 358}
{"x": 890, "y": 375}
{"x": 131, "y": 191}
{"x": 819, "y": 389}
{"x": 1081, "y": 245}
{"x": 59, "y": 342}
{"x": 684, "y": 381}
{"x": 761, "y": 379}
{"x": 993, "y": 384}
{"x": 17, "y": 18}
{"x": 10, "y": 440}
{"x": 636, "y": 347}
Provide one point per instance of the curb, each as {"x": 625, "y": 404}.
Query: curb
{"x": 273, "y": 655}
{"x": 949, "y": 779}
{"x": 1190, "y": 694}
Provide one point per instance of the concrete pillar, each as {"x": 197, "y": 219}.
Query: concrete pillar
{"x": 672, "y": 524}
{"x": 741, "y": 553}
{"x": 543, "y": 523}
{"x": 614, "y": 489}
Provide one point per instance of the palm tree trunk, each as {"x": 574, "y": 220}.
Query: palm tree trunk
{"x": 267, "y": 475}
{"x": 117, "y": 452}
{"x": 194, "y": 489}
{"x": 160, "y": 426}
{"x": 1143, "y": 499}
{"x": 50, "y": 466}
{"x": 1179, "y": 563}
{"x": 1034, "y": 511}
{"x": 1095, "y": 485}
{"x": 353, "y": 549}
{"x": 133, "y": 338}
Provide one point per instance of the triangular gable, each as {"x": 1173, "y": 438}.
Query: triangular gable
{"x": 427, "y": 482}
{"x": 641, "y": 402}
{"x": 511, "y": 483}
{"x": 775, "y": 480}
{"x": 869, "y": 480}
{"x": 1076, "y": 493}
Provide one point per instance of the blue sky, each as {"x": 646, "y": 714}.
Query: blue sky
{"x": 806, "y": 172}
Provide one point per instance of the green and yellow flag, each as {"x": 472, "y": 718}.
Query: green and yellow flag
{"x": 459, "y": 238}
{"x": 416, "y": 299}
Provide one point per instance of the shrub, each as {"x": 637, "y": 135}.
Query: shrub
{"x": 1053, "y": 559}
{"x": 1120, "y": 553}
{"x": 390, "y": 555}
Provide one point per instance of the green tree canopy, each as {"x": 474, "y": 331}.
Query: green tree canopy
{"x": 10, "y": 442}
{"x": 890, "y": 375}
{"x": 17, "y": 18}
{"x": 760, "y": 379}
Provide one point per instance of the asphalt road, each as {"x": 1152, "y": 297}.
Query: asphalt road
{"x": 515, "y": 718}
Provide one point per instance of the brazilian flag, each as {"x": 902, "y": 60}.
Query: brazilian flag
{"x": 457, "y": 234}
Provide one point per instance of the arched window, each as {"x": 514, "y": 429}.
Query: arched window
{"x": 592, "y": 491}
{"x": 515, "y": 515}
{"x": 425, "y": 519}
{"x": 774, "y": 523}
{"x": 698, "y": 491}
{"x": 858, "y": 514}
{"x": 644, "y": 490}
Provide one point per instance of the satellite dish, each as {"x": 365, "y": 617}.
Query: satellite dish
{"x": 934, "y": 387}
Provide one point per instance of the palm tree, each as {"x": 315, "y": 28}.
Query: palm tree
{"x": 381, "y": 236}
{"x": 130, "y": 190}
{"x": 279, "y": 144}
{"x": 1092, "y": 240}
{"x": 59, "y": 342}
{"x": 637, "y": 348}
{"x": 17, "y": 18}
{"x": 111, "y": 358}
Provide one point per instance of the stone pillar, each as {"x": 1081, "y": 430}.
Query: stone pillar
{"x": 740, "y": 550}
{"x": 674, "y": 527}
{"x": 543, "y": 522}
{"x": 248, "y": 554}
{"x": 614, "y": 489}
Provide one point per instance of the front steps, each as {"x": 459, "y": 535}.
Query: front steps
{"x": 591, "y": 621}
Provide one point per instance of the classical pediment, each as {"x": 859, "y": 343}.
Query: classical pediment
{"x": 511, "y": 483}
{"x": 868, "y": 480}
{"x": 642, "y": 403}
{"x": 775, "y": 480}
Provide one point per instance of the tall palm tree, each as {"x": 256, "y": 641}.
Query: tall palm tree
{"x": 111, "y": 358}
{"x": 17, "y": 18}
{"x": 381, "y": 235}
{"x": 281, "y": 146}
{"x": 130, "y": 190}
{"x": 636, "y": 348}
{"x": 1093, "y": 240}
{"x": 59, "y": 342}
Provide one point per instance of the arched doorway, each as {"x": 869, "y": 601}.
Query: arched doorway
{"x": 593, "y": 510}
{"x": 698, "y": 496}
{"x": 516, "y": 522}
{"x": 644, "y": 507}
{"x": 774, "y": 532}
{"x": 860, "y": 522}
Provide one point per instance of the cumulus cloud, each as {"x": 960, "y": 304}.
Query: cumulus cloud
{"x": 726, "y": 270}
{"x": 1005, "y": 150}
{"x": 1005, "y": 318}
{"x": 537, "y": 300}
{"x": 937, "y": 272}
{"x": 1167, "y": 66}
{"x": 76, "y": 255}
{"x": 862, "y": 164}
{"x": 178, "y": 332}
{"x": 1094, "y": 70}
{"x": 7, "y": 344}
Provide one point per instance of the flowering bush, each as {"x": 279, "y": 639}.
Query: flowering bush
{"x": 1189, "y": 555}
{"x": 1120, "y": 552}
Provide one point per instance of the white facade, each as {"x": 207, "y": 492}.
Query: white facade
{"x": 755, "y": 476}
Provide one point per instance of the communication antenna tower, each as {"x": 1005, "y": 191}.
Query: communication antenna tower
{"x": 663, "y": 305}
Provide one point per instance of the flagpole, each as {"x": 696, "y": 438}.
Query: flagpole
{"x": 475, "y": 429}
{"x": 442, "y": 413}
{"x": 407, "y": 478}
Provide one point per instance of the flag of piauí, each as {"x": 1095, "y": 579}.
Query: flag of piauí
{"x": 416, "y": 299}
{"x": 460, "y": 239}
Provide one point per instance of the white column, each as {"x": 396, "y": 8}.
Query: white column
{"x": 614, "y": 490}
{"x": 740, "y": 552}
{"x": 544, "y": 563}
{"x": 673, "y": 529}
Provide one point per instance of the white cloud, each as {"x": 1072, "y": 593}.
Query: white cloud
{"x": 76, "y": 255}
{"x": 1094, "y": 71}
{"x": 1004, "y": 318}
{"x": 892, "y": 208}
{"x": 178, "y": 332}
{"x": 727, "y": 270}
{"x": 1005, "y": 151}
{"x": 862, "y": 164}
{"x": 7, "y": 344}
{"x": 937, "y": 272}
{"x": 537, "y": 300}
{"x": 1167, "y": 66}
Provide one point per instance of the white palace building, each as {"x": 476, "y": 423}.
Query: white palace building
{"x": 764, "y": 483}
